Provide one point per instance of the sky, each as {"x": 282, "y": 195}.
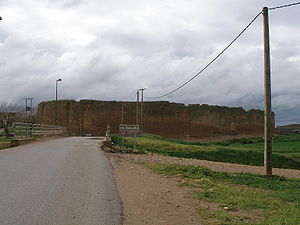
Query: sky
{"x": 106, "y": 50}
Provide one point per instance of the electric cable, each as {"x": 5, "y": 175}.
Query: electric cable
{"x": 284, "y": 6}
{"x": 133, "y": 97}
{"x": 211, "y": 62}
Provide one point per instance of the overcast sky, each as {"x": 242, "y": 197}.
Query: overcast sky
{"x": 106, "y": 50}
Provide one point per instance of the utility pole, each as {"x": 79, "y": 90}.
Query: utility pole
{"x": 80, "y": 119}
{"x": 56, "y": 100}
{"x": 137, "y": 107}
{"x": 142, "y": 110}
{"x": 122, "y": 121}
{"x": 267, "y": 83}
{"x": 28, "y": 107}
{"x": 122, "y": 118}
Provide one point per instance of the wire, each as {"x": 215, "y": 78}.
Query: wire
{"x": 133, "y": 97}
{"x": 211, "y": 62}
{"x": 284, "y": 6}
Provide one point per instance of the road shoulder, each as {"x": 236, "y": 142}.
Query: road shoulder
{"x": 150, "y": 198}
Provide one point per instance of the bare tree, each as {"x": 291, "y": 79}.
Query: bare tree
{"x": 7, "y": 112}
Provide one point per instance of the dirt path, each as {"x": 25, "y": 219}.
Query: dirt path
{"x": 152, "y": 199}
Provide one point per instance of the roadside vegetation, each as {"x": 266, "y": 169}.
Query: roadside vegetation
{"x": 4, "y": 136}
{"x": 239, "y": 198}
{"x": 249, "y": 151}
{"x": 5, "y": 142}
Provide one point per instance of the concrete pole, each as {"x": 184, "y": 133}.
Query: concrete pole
{"x": 122, "y": 118}
{"x": 142, "y": 112}
{"x": 137, "y": 108}
{"x": 80, "y": 119}
{"x": 267, "y": 83}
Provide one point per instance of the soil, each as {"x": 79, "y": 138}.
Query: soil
{"x": 153, "y": 199}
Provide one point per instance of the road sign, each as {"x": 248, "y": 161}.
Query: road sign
{"x": 129, "y": 128}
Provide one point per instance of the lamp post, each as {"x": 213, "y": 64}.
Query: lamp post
{"x": 56, "y": 99}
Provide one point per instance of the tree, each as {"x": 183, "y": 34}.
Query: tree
{"x": 7, "y": 112}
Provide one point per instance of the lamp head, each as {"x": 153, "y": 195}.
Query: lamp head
{"x": 58, "y": 80}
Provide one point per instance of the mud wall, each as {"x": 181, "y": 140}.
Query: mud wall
{"x": 164, "y": 118}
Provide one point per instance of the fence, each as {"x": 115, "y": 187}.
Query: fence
{"x": 19, "y": 129}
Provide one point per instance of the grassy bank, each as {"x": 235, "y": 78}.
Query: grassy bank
{"x": 4, "y": 142}
{"x": 227, "y": 198}
{"x": 249, "y": 151}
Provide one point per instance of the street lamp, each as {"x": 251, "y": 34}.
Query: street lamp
{"x": 56, "y": 99}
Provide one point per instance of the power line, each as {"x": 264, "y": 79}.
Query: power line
{"x": 284, "y": 6}
{"x": 133, "y": 97}
{"x": 211, "y": 62}
{"x": 214, "y": 59}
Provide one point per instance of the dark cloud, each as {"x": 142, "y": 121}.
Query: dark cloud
{"x": 108, "y": 49}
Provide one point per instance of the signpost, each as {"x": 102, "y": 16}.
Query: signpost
{"x": 129, "y": 129}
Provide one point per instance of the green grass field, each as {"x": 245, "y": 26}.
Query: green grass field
{"x": 249, "y": 151}
{"x": 232, "y": 198}
{"x": 248, "y": 198}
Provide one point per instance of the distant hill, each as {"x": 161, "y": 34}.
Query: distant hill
{"x": 290, "y": 126}
{"x": 288, "y": 129}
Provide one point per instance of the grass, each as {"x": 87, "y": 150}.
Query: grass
{"x": 250, "y": 198}
{"x": 4, "y": 139}
{"x": 4, "y": 142}
{"x": 249, "y": 151}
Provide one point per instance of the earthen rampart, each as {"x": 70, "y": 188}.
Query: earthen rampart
{"x": 172, "y": 120}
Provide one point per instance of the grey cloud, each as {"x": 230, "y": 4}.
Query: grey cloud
{"x": 65, "y": 3}
{"x": 108, "y": 49}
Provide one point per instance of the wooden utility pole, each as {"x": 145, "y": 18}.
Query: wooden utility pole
{"x": 122, "y": 121}
{"x": 267, "y": 84}
{"x": 137, "y": 107}
{"x": 80, "y": 119}
{"x": 142, "y": 110}
{"x": 122, "y": 118}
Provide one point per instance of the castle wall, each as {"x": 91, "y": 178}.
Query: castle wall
{"x": 172, "y": 120}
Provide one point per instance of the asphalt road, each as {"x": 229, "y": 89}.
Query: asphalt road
{"x": 58, "y": 182}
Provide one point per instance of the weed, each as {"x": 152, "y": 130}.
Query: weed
{"x": 286, "y": 149}
{"x": 278, "y": 198}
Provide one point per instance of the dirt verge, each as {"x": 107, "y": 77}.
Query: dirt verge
{"x": 152, "y": 199}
